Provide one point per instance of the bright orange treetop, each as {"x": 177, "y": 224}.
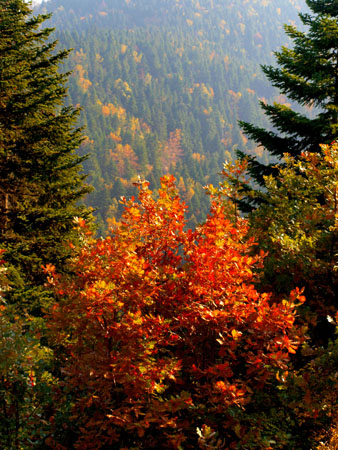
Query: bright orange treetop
{"x": 163, "y": 331}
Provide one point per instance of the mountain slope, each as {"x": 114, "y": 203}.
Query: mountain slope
{"x": 163, "y": 84}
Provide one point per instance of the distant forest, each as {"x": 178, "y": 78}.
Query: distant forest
{"x": 162, "y": 85}
{"x": 199, "y": 308}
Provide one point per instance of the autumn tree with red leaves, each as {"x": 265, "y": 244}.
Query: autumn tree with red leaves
{"x": 164, "y": 339}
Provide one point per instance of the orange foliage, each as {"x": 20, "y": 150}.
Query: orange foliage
{"x": 111, "y": 109}
{"x": 105, "y": 110}
{"x": 171, "y": 151}
{"x": 115, "y": 138}
{"x": 79, "y": 56}
{"x": 207, "y": 90}
{"x": 145, "y": 127}
{"x": 137, "y": 57}
{"x": 235, "y": 95}
{"x": 198, "y": 157}
{"x": 123, "y": 155}
{"x": 163, "y": 329}
{"x": 125, "y": 182}
{"x": 83, "y": 82}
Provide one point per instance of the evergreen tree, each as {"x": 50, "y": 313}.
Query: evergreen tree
{"x": 307, "y": 74}
{"x": 40, "y": 183}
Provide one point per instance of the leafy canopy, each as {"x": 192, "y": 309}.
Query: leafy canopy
{"x": 162, "y": 330}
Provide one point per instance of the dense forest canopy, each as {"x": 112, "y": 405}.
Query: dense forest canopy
{"x": 162, "y": 85}
{"x": 160, "y": 335}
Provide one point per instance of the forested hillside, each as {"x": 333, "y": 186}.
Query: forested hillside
{"x": 162, "y": 85}
{"x": 161, "y": 335}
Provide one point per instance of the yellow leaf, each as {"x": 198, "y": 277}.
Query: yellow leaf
{"x": 236, "y": 334}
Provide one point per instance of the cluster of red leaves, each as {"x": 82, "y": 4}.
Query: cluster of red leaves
{"x": 163, "y": 328}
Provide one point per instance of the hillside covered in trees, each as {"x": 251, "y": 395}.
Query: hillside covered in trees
{"x": 162, "y": 85}
{"x": 158, "y": 333}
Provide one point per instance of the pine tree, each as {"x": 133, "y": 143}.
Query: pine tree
{"x": 40, "y": 183}
{"x": 307, "y": 74}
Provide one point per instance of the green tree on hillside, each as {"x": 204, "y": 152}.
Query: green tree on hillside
{"x": 307, "y": 74}
{"x": 40, "y": 183}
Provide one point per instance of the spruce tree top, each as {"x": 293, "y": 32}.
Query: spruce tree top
{"x": 306, "y": 74}
{"x": 41, "y": 181}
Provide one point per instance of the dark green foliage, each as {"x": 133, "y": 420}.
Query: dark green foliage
{"x": 297, "y": 225}
{"x": 308, "y": 75}
{"x": 26, "y": 385}
{"x": 326, "y": 6}
{"x": 40, "y": 183}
